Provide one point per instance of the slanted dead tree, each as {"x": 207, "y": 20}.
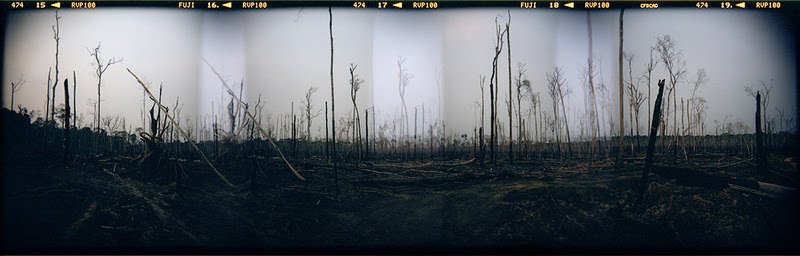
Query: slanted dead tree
{"x": 258, "y": 125}
{"x": 355, "y": 85}
{"x": 651, "y": 141}
{"x": 15, "y": 87}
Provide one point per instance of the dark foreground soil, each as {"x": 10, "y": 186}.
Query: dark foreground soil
{"x": 106, "y": 204}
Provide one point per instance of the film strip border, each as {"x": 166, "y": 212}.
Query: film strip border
{"x": 408, "y": 5}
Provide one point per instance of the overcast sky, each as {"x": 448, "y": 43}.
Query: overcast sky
{"x": 280, "y": 53}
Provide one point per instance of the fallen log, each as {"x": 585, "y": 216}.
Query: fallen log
{"x": 426, "y": 181}
{"x": 228, "y": 88}
{"x": 162, "y": 215}
{"x": 776, "y": 189}
{"x": 180, "y": 129}
{"x": 752, "y": 191}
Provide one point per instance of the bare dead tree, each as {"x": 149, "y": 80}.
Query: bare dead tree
{"x": 621, "y": 86}
{"x": 333, "y": 102}
{"x": 558, "y": 77}
{"x": 355, "y": 84}
{"x": 676, "y": 68}
{"x": 764, "y": 97}
{"x": 648, "y": 73}
{"x": 635, "y": 99}
{"x": 493, "y": 85}
{"x": 482, "y": 80}
{"x": 638, "y": 100}
{"x": 57, "y": 38}
{"x": 403, "y": 78}
{"x": 523, "y": 85}
{"x": 697, "y": 104}
{"x": 510, "y": 107}
{"x": 553, "y": 81}
{"x": 15, "y": 87}
{"x": 590, "y": 74}
{"x": 308, "y": 110}
{"x": 100, "y": 66}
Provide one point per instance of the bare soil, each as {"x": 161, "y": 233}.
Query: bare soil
{"x": 107, "y": 204}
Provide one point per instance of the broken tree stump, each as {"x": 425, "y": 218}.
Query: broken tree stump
{"x": 66, "y": 120}
{"x": 651, "y": 143}
{"x": 181, "y": 130}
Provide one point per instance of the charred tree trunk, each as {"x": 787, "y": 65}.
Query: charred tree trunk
{"x": 366, "y": 132}
{"x": 66, "y": 120}
{"x": 74, "y": 104}
{"x": 415, "y": 133}
{"x": 326, "y": 130}
{"x": 761, "y": 161}
{"x": 651, "y": 143}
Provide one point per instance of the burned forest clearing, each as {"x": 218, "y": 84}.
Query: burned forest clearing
{"x": 104, "y": 203}
{"x": 441, "y": 139}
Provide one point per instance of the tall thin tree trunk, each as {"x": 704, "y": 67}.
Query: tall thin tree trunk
{"x": 333, "y": 104}
{"x": 74, "y": 104}
{"x": 761, "y": 161}
{"x": 326, "y": 130}
{"x": 56, "y": 31}
{"x": 366, "y": 125}
{"x": 621, "y": 108}
{"x": 510, "y": 102}
{"x": 566, "y": 121}
{"x": 47, "y": 89}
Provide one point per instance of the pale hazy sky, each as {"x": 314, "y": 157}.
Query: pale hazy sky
{"x": 280, "y": 53}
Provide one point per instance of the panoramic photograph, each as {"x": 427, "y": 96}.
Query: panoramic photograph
{"x": 332, "y": 129}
